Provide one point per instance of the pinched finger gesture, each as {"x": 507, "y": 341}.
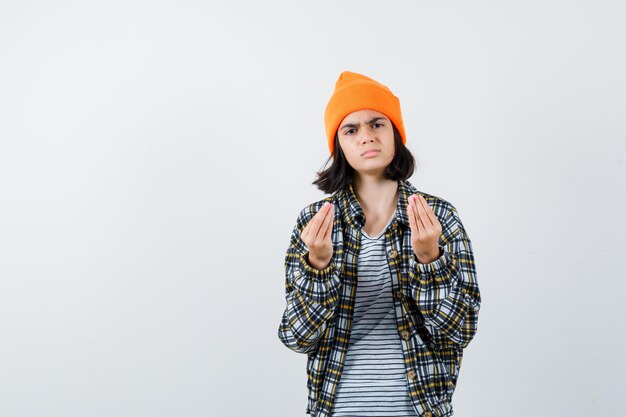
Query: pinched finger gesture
{"x": 425, "y": 229}
{"x": 316, "y": 235}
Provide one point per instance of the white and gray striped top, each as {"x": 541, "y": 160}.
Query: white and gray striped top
{"x": 373, "y": 381}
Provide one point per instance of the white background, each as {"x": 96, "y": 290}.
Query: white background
{"x": 154, "y": 156}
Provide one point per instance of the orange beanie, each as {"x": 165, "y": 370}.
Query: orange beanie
{"x": 356, "y": 92}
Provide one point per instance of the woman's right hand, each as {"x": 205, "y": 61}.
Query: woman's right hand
{"x": 317, "y": 236}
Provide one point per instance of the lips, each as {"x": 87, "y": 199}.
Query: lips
{"x": 370, "y": 152}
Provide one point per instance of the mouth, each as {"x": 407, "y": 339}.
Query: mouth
{"x": 370, "y": 152}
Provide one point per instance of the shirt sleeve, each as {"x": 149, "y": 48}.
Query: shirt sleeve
{"x": 311, "y": 294}
{"x": 446, "y": 290}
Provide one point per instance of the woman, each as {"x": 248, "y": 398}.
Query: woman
{"x": 380, "y": 285}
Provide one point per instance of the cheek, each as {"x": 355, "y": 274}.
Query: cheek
{"x": 391, "y": 149}
{"x": 349, "y": 151}
{"x": 353, "y": 156}
{"x": 390, "y": 156}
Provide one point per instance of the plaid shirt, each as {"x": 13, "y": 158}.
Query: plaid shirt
{"x": 436, "y": 303}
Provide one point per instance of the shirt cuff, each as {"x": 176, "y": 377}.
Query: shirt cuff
{"x": 432, "y": 268}
{"x": 314, "y": 273}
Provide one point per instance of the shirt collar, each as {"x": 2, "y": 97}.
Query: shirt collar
{"x": 353, "y": 213}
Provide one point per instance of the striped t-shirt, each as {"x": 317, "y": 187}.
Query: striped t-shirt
{"x": 374, "y": 379}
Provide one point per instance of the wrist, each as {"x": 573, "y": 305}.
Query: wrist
{"x": 316, "y": 263}
{"x": 430, "y": 257}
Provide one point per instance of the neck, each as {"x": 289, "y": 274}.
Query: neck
{"x": 376, "y": 195}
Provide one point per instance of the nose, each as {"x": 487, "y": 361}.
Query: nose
{"x": 368, "y": 135}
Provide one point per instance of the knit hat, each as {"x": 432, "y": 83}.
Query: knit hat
{"x": 356, "y": 92}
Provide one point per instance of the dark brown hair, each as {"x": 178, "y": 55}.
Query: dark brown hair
{"x": 340, "y": 174}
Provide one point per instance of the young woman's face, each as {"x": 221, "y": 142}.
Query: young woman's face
{"x": 366, "y": 139}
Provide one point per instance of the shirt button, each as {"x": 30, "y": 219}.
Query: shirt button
{"x": 411, "y": 374}
{"x": 398, "y": 294}
{"x": 393, "y": 253}
{"x": 405, "y": 334}
{"x": 427, "y": 414}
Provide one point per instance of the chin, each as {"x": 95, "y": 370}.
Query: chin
{"x": 371, "y": 169}
{"x": 374, "y": 163}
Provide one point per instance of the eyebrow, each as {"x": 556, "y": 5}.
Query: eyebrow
{"x": 375, "y": 119}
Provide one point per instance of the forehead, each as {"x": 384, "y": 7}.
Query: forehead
{"x": 361, "y": 116}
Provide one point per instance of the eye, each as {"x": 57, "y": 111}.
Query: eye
{"x": 347, "y": 132}
{"x": 378, "y": 124}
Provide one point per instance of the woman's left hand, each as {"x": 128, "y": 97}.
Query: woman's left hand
{"x": 425, "y": 229}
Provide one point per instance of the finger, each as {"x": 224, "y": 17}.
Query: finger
{"x": 415, "y": 211}
{"x": 318, "y": 221}
{"x": 421, "y": 213}
{"x": 428, "y": 212}
{"x": 412, "y": 217}
{"x": 422, "y": 217}
{"x": 328, "y": 224}
{"x": 310, "y": 226}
